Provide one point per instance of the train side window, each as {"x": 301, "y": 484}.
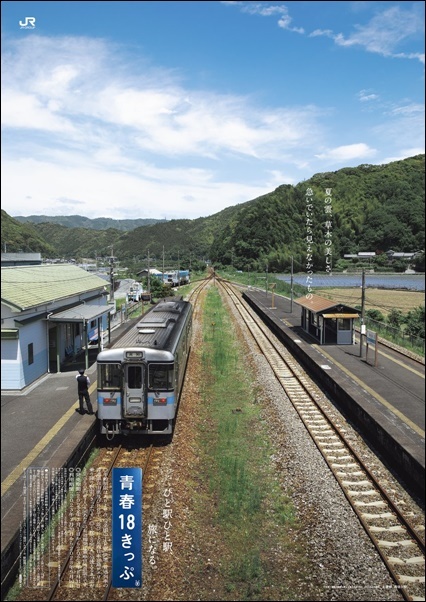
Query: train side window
{"x": 160, "y": 377}
{"x": 109, "y": 376}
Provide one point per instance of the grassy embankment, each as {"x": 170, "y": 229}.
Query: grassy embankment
{"x": 253, "y": 517}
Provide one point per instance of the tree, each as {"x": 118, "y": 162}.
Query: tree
{"x": 395, "y": 317}
{"x": 415, "y": 321}
{"x": 419, "y": 262}
{"x": 375, "y": 314}
{"x": 157, "y": 288}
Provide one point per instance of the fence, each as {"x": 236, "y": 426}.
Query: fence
{"x": 127, "y": 311}
{"x": 395, "y": 335}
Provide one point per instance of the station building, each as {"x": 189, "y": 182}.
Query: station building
{"x": 327, "y": 321}
{"x": 49, "y": 314}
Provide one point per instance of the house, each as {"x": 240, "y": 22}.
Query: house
{"x": 327, "y": 321}
{"x": 48, "y": 313}
{"x": 404, "y": 256}
{"x": 152, "y": 272}
{"x": 8, "y": 259}
{"x": 360, "y": 255}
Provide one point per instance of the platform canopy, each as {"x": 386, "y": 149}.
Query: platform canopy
{"x": 80, "y": 313}
{"x": 341, "y": 315}
{"x": 326, "y": 307}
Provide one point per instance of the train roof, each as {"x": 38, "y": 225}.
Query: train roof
{"x": 160, "y": 328}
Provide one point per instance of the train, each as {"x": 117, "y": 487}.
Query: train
{"x": 139, "y": 382}
{"x": 174, "y": 278}
{"x": 135, "y": 292}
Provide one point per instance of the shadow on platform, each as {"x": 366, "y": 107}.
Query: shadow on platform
{"x": 76, "y": 363}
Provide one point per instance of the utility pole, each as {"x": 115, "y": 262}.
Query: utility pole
{"x": 362, "y": 334}
{"x": 111, "y": 273}
{"x": 178, "y": 271}
{"x": 266, "y": 280}
{"x": 291, "y": 287}
{"x": 149, "y": 281}
{"x": 163, "y": 267}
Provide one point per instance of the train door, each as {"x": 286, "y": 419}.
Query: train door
{"x": 135, "y": 391}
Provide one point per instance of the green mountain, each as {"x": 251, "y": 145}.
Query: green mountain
{"x": 373, "y": 208}
{"x": 78, "y": 221}
{"x": 370, "y": 208}
{"x": 25, "y": 238}
{"x": 79, "y": 242}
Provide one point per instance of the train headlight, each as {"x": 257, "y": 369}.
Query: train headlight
{"x": 109, "y": 401}
{"x": 160, "y": 401}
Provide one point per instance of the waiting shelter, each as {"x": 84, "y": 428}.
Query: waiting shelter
{"x": 327, "y": 321}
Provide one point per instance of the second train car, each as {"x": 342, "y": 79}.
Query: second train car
{"x": 140, "y": 382}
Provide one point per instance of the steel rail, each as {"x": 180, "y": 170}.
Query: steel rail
{"x": 318, "y": 426}
{"x": 66, "y": 562}
{"x": 144, "y": 473}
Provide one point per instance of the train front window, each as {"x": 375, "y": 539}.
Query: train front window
{"x": 110, "y": 376}
{"x": 134, "y": 377}
{"x": 160, "y": 377}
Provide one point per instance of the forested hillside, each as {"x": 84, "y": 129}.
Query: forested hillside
{"x": 372, "y": 208}
{"x": 25, "y": 238}
{"x": 79, "y": 221}
{"x": 79, "y": 242}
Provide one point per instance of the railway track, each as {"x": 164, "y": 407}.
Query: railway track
{"x": 398, "y": 542}
{"x": 128, "y": 458}
{"x": 62, "y": 568}
{"x": 75, "y": 563}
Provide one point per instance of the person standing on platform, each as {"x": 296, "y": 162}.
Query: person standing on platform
{"x": 83, "y": 383}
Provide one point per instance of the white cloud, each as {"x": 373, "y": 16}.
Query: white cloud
{"x": 383, "y": 33}
{"x": 264, "y": 9}
{"x": 277, "y": 178}
{"x": 96, "y": 106}
{"x": 365, "y": 96}
{"x": 404, "y": 154}
{"x": 412, "y": 109}
{"x": 403, "y": 127}
{"x": 86, "y": 126}
{"x": 118, "y": 143}
{"x": 328, "y": 33}
{"x": 348, "y": 152}
{"x": 20, "y": 110}
{"x": 30, "y": 186}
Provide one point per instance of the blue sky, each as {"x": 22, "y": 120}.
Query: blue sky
{"x": 180, "y": 109}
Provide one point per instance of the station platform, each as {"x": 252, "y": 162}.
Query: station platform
{"x": 41, "y": 428}
{"x": 386, "y": 403}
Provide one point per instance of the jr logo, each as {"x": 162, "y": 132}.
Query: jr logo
{"x": 29, "y": 23}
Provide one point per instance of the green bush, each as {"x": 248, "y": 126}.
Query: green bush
{"x": 375, "y": 314}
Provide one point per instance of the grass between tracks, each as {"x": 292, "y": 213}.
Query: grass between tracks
{"x": 249, "y": 508}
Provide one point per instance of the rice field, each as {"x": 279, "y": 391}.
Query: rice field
{"x": 382, "y": 299}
